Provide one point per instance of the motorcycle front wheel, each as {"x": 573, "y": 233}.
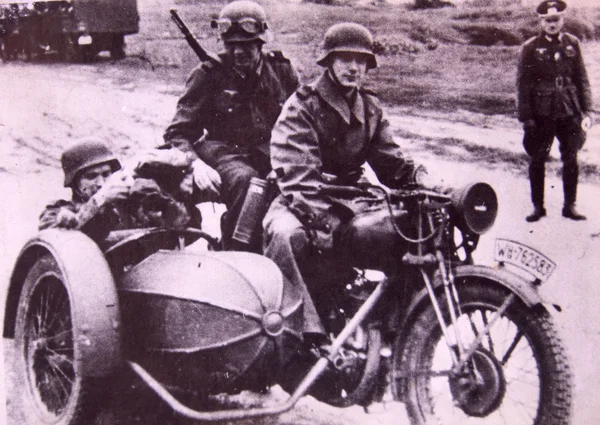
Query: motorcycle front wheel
{"x": 519, "y": 374}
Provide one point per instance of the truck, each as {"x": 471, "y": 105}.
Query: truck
{"x": 76, "y": 30}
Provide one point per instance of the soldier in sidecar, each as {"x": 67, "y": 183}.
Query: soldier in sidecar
{"x": 106, "y": 198}
{"x": 109, "y": 283}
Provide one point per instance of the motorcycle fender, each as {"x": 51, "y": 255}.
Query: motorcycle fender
{"x": 525, "y": 290}
{"x": 92, "y": 291}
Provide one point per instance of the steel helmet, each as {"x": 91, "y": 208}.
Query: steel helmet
{"x": 348, "y": 37}
{"x": 242, "y": 20}
{"x": 86, "y": 153}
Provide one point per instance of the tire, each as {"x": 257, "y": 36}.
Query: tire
{"x": 528, "y": 385}
{"x": 52, "y": 389}
{"x": 117, "y": 47}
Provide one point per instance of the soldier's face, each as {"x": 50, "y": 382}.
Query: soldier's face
{"x": 91, "y": 180}
{"x": 245, "y": 54}
{"x": 349, "y": 68}
{"x": 552, "y": 25}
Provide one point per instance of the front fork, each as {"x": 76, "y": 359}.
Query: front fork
{"x": 459, "y": 353}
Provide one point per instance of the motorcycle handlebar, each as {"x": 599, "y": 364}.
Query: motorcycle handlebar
{"x": 394, "y": 194}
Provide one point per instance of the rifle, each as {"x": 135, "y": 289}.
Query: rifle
{"x": 202, "y": 54}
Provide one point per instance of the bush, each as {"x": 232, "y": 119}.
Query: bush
{"x": 582, "y": 29}
{"x": 432, "y": 4}
{"x": 489, "y": 34}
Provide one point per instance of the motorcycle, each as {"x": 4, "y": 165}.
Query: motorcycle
{"x": 455, "y": 341}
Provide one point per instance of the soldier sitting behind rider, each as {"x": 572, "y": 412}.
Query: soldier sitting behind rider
{"x": 332, "y": 126}
{"x": 106, "y": 198}
{"x": 236, "y": 102}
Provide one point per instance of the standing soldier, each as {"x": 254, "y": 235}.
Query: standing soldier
{"x": 225, "y": 116}
{"x": 553, "y": 98}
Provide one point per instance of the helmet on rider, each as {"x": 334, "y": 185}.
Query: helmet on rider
{"x": 348, "y": 37}
{"x": 241, "y": 21}
{"x": 86, "y": 153}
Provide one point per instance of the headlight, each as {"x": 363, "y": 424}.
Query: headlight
{"x": 477, "y": 207}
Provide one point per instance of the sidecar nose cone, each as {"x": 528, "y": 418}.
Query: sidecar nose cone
{"x": 272, "y": 323}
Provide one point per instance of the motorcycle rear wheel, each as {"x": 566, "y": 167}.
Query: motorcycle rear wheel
{"x": 522, "y": 374}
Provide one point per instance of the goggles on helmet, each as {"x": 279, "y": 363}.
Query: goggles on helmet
{"x": 248, "y": 25}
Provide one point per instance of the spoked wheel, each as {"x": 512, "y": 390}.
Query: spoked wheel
{"x": 52, "y": 389}
{"x": 519, "y": 375}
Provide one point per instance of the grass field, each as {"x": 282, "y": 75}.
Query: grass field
{"x": 462, "y": 57}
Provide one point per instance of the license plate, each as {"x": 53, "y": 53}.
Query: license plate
{"x": 524, "y": 257}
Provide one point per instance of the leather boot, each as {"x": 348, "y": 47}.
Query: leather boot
{"x": 570, "y": 212}
{"x": 570, "y": 176}
{"x": 537, "y": 213}
{"x": 537, "y": 170}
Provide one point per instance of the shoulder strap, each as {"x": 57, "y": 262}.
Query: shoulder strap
{"x": 277, "y": 56}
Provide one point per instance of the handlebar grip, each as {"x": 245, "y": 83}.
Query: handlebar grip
{"x": 342, "y": 191}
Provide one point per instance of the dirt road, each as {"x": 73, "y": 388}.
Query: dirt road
{"x": 43, "y": 108}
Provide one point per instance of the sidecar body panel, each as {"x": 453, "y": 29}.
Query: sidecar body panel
{"x": 214, "y": 317}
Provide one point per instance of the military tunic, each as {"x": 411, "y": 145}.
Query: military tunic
{"x": 95, "y": 221}
{"x": 238, "y": 112}
{"x": 321, "y": 132}
{"x": 553, "y": 94}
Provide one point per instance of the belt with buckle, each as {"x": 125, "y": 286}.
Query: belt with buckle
{"x": 561, "y": 81}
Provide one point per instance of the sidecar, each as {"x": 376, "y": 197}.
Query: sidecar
{"x": 195, "y": 321}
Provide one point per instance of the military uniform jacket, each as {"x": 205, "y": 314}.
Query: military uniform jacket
{"x": 552, "y": 81}
{"x": 95, "y": 221}
{"x": 318, "y": 132}
{"x": 238, "y": 112}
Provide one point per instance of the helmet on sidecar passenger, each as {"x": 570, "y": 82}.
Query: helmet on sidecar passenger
{"x": 87, "y": 152}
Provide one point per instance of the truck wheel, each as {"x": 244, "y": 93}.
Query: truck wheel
{"x": 117, "y": 47}
{"x": 69, "y": 50}
{"x": 52, "y": 389}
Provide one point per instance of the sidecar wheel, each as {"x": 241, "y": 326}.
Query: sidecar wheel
{"x": 51, "y": 387}
{"x": 519, "y": 375}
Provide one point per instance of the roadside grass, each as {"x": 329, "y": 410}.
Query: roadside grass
{"x": 446, "y": 59}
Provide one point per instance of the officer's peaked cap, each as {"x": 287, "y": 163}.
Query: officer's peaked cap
{"x": 87, "y": 152}
{"x": 551, "y": 8}
{"x": 348, "y": 37}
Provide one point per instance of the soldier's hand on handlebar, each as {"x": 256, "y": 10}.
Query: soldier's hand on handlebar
{"x": 207, "y": 179}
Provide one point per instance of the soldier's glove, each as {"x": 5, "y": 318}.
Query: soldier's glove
{"x": 66, "y": 219}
